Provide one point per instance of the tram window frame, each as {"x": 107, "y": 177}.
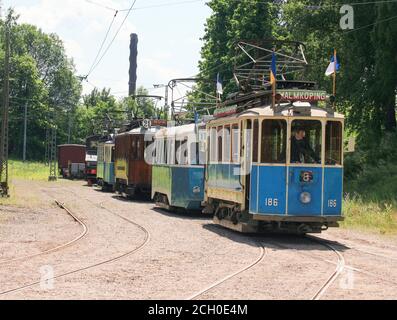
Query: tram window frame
{"x": 133, "y": 146}
{"x": 202, "y": 146}
{"x": 184, "y": 154}
{"x": 219, "y": 144}
{"x": 100, "y": 154}
{"x": 336, "y": 161}
{"x": 255, "y": 141}
{"x": 235, "y": 138}
{"x": 304, "y": 123}
{"x": 177, "y": 146}
{"x": 280, "y": 157}
{"x": 147, "y": 144}
{"x": 213, "y": 145}
{"x": 227, "y": 155}
{"x": 165, "y": 151}
{"x": 138, "y": 148}
{"x": 171, "y": 150}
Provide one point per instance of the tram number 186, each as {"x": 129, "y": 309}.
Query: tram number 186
{"x": 271, "y": 202}
{"x": 332, "y": 203}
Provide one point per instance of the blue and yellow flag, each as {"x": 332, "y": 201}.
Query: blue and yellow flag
{"x": 273, "y": 69}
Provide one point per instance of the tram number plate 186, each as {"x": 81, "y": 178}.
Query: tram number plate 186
{"x": 306, "y": 176}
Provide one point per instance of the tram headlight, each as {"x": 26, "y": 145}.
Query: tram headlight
{"x": 196, "y": 190}
{"x": 305, "y": 197}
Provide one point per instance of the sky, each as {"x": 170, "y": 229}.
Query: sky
{"x": 169, "y": 34}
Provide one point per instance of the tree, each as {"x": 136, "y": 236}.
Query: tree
{"x": 140, "y": 107}
{"x": 44, "y": 78}
{"x": 230, "y": 22}
{"x": 367, "y": 82}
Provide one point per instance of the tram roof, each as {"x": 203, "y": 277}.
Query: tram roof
{"x": 142, "y": 130}
{"x": 283, "y": 111}
{"x": 176, "y": 131}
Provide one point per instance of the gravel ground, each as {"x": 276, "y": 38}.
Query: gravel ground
{"x": 184, "y": 254}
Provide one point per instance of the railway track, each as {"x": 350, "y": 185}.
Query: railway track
{"x": 57, "y": 248}
{"x": 263, "y": 252}
{"x": 91, "y": 266}
{"x": 340, "y": 266}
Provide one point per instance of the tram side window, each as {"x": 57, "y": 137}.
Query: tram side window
{"x": 165, "y": 151}
{"x": 171, "y": 150}
{"x": 306, "y": 140}
{"x": 226, "y": 146}
{"x": 235, "y": 139}
{"x": 112, "y": 155}
{"x": 134, "y": 152}
{"x": 220, "y": 144}
{"x": 255, "y": 141}
{"x": 202, "y": 146}
{"x": 213, "y": 143}
{"x": 177, "y": 152}
{"x": 333, "y": 143}
{"x": 273, "y": 141}
{"x": 138, "y": 148}
{"x": 183, "y": 152}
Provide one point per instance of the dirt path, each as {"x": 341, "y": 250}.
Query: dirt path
{"x": 181, "y": 255}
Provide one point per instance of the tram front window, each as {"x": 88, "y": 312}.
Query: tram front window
{"x": 306, "y": 137}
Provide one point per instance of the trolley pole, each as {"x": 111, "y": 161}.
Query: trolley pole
{"x": 4, "y": 117}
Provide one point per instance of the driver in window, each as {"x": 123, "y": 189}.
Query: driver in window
{"x": 300, "y": 148}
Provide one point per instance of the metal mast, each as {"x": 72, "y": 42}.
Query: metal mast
{"x": 53, "y": 152}
{"x": 4, "y": 117}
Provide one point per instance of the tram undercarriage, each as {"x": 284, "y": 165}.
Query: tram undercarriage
{"x": 230, "y": 216}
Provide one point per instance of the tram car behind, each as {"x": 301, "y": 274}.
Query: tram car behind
{"x": 91, "y": 158}
{"x": 178, "y": 169}
{"x": 133, "y": 173}
{"x": 71, "y": 161}
{"x": 105, "y": 165}
{"x": 276, "y": 169}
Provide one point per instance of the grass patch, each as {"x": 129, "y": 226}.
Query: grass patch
{"x": 20, "y": 193}
{"x": 379, "y": 217}
{"x": 35, "y": 171}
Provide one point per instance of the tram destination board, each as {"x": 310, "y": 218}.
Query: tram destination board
{"x": 303, "y": 95}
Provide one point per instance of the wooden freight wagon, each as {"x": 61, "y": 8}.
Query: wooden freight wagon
{"x": 71, "y": 160}
{"x": 133, "y": 172}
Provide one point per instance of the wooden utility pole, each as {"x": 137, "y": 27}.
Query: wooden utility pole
{"x": 4, "y": 117}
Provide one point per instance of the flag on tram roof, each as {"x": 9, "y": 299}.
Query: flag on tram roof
{"x": 273, "y": 69}
{"x": 333, "y": 66}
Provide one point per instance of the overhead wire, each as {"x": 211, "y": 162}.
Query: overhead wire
{"x": 103, "y": 43}
{"x": 114, "y": 38}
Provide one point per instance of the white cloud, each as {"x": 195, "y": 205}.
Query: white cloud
{"x": 80, "y": 24}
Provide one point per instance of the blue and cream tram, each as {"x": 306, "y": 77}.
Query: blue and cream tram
{"x": 276, "y": 168}
{"x": 178, "y": 169}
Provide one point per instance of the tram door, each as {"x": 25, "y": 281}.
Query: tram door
{"x": 246, "y": 158}
{"x": 305, "y": 176}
